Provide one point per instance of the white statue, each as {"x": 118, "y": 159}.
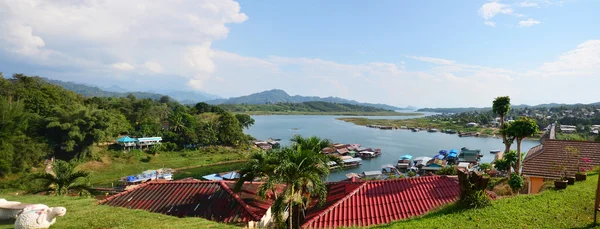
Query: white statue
{"x": 38, "y": 216}
{"x": 9, "y": 209}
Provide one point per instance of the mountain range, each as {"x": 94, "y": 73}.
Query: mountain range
{"x": 189, "y": 97}
{"x": 280, "y": 96}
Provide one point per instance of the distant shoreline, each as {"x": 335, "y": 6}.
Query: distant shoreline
{"x": 264, "y": 113}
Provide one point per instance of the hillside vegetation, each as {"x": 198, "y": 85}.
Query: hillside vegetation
{"x": 280, "y": 96}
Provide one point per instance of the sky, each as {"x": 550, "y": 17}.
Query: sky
{"x": 420, "y": 53}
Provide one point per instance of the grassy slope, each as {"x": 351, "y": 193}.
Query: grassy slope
{"x": 569, "y": 208}
{"x": 84, "y": 213}
{"x": 205, "y": 170}
{"x": 110, "y": 170}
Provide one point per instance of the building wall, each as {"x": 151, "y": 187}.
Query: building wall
{"x": 264, "y": 221}
{"x": 535, "y": 183}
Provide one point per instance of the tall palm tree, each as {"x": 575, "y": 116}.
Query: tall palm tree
{"x": 501, "y": 107}
{"x": 63, "y": 178}
{"x": 314, "y": 143}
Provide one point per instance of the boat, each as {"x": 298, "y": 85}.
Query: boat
{"x": 421, "y": 161}
{"x": 149, "y": 175}
{"x": 352, "y": 162}
{"x": 495, "y": 151}
{"x": 367, "y": 154}
{"x": 468, "y": 155}
{"x": 415, "y": 129}
{"x": 450, "y": 132}
{"x": 404, "y": 162}
{"x": 433, "y": 130}
{"x": 389, "y": 169}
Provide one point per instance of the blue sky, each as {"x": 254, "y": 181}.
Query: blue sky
{"x": 423, "y": 53}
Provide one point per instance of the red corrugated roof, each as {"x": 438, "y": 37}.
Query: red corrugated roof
{"x": 365, "y": 203}
{"x": 212, "y": 200}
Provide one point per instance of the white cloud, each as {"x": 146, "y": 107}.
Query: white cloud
{"x": 153, "y": 67}
{"x": 528, "y": 23}
{"x": 491, "y": 9}
{"x": 582, "y": 61}
{"x": 528, "y": 4}
{"x": 490, "y": 23}
{"x": 433, "y": 60}
{"x": 123, "y": 66}
{"x": 176, "y": 34}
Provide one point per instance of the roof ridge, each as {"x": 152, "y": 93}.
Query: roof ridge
{"x": 328, "y": 209}
{"x": 128, "y": 191}
{"x": 539, "y": 149}
{"x": 239, "y": 200}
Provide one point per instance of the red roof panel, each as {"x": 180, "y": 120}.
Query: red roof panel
{"x": 212, "y": 200}
{"x": 365, "y": 203}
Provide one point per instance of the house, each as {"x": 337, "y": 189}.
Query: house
{"x": 213, "y": 200}
{"x": 472, "y": 124}
{"x": 148, "y": 141}
{"x": 541, "y": 161}
{"x": 127, "y": 141}
{"x": 366, "y": 203}
{"x": 372, "y": 174}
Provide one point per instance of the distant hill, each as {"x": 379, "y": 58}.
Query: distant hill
{"x": 280, "y": 96}
{"x": 185, "y": 97}
{"x": 312, "y": 106}
{"x": 469, "y": 109}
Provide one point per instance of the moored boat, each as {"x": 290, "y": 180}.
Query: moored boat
{"x": 495, "y": 151}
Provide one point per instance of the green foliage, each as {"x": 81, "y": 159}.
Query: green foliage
{"x": 449, "y": 170}
{"x": 411, "y": 174}
{"x": 230, "y": 130}
{"x": 64, "y": 179}
{"x": 485, "y": 167}
{"x": 245, "y": 120}
{"x": 516, "y": 182}
{"x": 476, "y": 199}
{"x": 501, "y": 106}
{"x": 313, "y": 143}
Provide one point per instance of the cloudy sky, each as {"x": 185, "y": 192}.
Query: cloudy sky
{"x": 422, "y": 53}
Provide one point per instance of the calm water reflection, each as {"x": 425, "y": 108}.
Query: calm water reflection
{"x": 393, "y": 143}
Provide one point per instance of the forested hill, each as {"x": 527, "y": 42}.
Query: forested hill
{"x": 41, "y": 120}
{"x": 301, "y": 107}
{"x": 280, "y": 96}
{"x": 185, "y": 97}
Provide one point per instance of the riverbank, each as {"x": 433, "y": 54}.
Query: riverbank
{"x": 379, "y": 113}
{"x": 427, "y": 123}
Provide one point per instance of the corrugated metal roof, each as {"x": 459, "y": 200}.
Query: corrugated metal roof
{"x": 213, "y": 200}
{"x": 376, "y": 202}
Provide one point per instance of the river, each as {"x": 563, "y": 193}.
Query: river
{"x": 393, "y": 143}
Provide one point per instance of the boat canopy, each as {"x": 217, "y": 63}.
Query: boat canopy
{"x": 372, "y": 173}
{"x": 213, "y": 177}
{"x": 351, "y": 160}
{"x": 423, "y": 159}
{"x": 387, "y": 166}
{"x": 331, "y": 163}
{"x": 231, "y": 175}
{"x": 451, "y": 155}
{"x": 439, "y": 156}
{"x": 443, "y": 152}
{"x": 368, "y": 152}
{"x": 406, "y": 157}
{"x": 345, "y": 157}
{"x": 454, "y": 151}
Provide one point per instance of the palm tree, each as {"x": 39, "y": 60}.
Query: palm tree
{"x": 501, "y": 107}
{"x": 314, "y": 143}
{"x": 63, "y": 178}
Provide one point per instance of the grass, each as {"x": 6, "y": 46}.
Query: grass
{"x": 205, "y": 170}
{"x": 110, "y": 169}
{"x": 383, "y": 113}
{"x": 569, "y": 208}
{"x": 85, "y": 213}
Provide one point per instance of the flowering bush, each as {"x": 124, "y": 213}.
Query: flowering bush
{"x": 586, "y": 167}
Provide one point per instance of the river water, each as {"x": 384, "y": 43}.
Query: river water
{"x": 393, "y": 143}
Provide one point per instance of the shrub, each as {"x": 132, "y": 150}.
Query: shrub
{"x": 411, "y": 174}
{"x": 447, "y": 171}
{"x": 391, "y": 177}
{"x": 402, "y": 176}
{"x": 476, "y": 199}
{"x": 485, "y": 167}
{"x": 516, "y": 182}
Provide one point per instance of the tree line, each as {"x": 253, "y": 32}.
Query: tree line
{"x": 39, "y": 120}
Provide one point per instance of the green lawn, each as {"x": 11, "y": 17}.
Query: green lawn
{"x": 85, "y": 213}
{"x": 569, "y": 208}
{"x": 102, "y": 174}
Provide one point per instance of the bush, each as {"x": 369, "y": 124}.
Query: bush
{"x": 169, "y": 146}
{"x": 516, "y": 182}
{"x": 447, "y": 171}
{"x": 476, "y": 199}
{"x": 485, "y": 167}
{"x": 411, "y": 174}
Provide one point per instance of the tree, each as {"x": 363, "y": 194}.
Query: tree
{"x": 230, "y": 130}
{"x": 501, "y": 107}
{"x": 245, "y": 120}
{"x": 520, "y": 129}
{"x": 63, "y": 179}
{"x": 314, "y": 143}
